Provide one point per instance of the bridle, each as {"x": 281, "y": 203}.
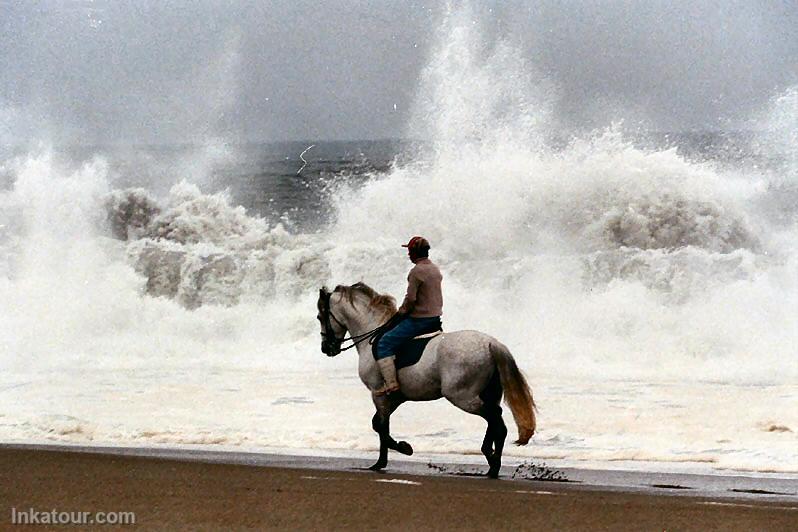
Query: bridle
{"x": 328, "y": 338}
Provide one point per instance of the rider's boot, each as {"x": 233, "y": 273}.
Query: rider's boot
{"x": 388, "y": 370}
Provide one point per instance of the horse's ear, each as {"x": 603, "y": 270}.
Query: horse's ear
{"x": 323, "y": 291}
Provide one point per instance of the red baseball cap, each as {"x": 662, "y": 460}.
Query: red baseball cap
{"x": 417, "y": 242}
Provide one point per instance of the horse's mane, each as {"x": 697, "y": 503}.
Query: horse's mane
{"x": 380, "y": 302}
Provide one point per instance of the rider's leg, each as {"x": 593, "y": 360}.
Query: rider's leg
{"x": 388, "y": 370}
{"x": 386, "y": 348}
{"x": 389, "y": 344}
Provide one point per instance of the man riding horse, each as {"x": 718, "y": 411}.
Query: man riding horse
{"x": 471, "y": 369}
{"x": 420, "y": 311}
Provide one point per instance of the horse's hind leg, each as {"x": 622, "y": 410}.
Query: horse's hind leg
{"x": 478, "y": 390}
{"x": 496, "y": 432}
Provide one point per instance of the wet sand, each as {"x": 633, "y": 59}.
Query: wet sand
{"x": 191, "y": 494}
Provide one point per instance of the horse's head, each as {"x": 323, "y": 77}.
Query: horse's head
{"x": 332, "y": 330}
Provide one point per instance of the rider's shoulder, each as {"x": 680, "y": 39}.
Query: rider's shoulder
{"x": 431, "y": 265}
{"x": 425, "y": 269}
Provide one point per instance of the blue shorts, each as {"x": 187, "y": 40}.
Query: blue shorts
{"x": 403, "y": 331}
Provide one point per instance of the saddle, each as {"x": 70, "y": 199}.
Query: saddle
{"x": 409, "y": 352}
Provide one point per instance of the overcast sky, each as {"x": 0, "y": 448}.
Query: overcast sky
{"x": 184, "y": 71}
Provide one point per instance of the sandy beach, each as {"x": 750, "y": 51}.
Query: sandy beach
{"x": 195, "y": 494}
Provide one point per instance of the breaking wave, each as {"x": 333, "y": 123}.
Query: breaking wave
{"x": 591, "y": 255}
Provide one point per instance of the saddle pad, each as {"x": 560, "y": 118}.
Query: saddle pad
{"x": 410, "y": 352}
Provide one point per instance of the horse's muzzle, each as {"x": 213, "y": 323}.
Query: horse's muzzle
{"x": 330, "y": 349}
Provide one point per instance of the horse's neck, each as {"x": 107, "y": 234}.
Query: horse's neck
{"x": 358, "y": 323}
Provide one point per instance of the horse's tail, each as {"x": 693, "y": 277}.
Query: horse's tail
{"x": 516, "y": 391}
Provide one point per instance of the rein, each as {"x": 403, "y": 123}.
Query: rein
{"x": 359, "y": 338}
{"x": 370, "y": 335}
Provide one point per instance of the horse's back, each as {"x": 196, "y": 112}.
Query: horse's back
{"x": 452, "y": 360}
{"x": 464, "y": 361}
{"x": 465, "y": 345}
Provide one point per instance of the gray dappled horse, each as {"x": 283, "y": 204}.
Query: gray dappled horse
{"x": 469, "y": 368}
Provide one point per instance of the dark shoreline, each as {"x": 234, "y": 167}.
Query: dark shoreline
{"x": 734, "y": 485}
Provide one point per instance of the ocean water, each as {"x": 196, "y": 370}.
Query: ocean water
{"x": 647, "y": 283}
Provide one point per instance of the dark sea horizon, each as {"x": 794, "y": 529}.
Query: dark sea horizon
{"x": 271, "y": 180}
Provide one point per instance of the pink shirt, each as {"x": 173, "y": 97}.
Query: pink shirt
{"x": 424, "y": 298}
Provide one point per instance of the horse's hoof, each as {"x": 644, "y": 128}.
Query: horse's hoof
{"x": 379, "y": 466}
{"x": 493, "y": 474}
{"x": 404, "y": 448}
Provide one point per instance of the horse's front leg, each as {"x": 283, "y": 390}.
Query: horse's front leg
{"x": 381, "y": 423}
